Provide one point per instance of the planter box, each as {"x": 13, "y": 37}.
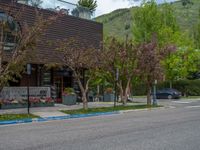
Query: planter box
{"x": 42, "y": 104}
{"x": 109, "y": 97}
{"x": 69, "y": 100}
{"x": 13, "y": 106}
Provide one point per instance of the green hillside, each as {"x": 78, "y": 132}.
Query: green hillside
{"x": 116, "y": 22}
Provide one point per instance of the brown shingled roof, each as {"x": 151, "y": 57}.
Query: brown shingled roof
{"x": 65, "y": 27}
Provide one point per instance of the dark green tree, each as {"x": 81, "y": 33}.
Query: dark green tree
{"x": 90, "y": 4}
{"x": 151, "y": 19}
{"x": 155, "y": 28}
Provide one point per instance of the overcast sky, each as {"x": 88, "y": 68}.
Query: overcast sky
{"x": 105, "y": 6}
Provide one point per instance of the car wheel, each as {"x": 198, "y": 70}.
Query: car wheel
{"x": 169, "y": 96}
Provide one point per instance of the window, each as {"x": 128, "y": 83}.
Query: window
{"x": 8, "y": 31}
{"x": 46, "y": 77}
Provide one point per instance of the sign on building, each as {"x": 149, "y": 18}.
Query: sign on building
{"x": 18, "y": 93}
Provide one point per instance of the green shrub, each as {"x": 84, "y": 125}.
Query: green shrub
{"x": 186, "y": 87}
{"x": 139, "y": 89}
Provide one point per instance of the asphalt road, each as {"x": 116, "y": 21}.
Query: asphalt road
{"x": 161, "y": 129}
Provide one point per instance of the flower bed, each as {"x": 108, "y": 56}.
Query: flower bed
{"x": 34, "y": 102}
{"x": 37, "y": 102}
{"x": 41, "y": 104}
{"x": 10, "y": 104}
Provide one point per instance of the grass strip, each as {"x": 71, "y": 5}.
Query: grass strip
{"x": 191, "y": 97}
{"x": 8, "y": 117}
{"x": 106, "y": 109}
{"x": 142, "y": 96}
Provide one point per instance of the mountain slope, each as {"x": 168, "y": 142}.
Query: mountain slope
{"x": 119, "y": 22}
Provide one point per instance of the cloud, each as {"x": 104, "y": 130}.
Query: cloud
{"x": 104, "y": 6}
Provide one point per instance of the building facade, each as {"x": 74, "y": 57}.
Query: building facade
{"x": 66, "y": 27}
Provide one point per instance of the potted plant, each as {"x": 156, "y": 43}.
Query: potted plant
{"x": 109, "y": 95}
{"x": 82, "y": 12}
{"x": 69, "y": 97}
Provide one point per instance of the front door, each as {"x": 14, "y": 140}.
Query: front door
{"x": 58, "y": 82}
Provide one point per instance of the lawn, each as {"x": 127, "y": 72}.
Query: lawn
{"x": 106, "y": 109}
{"x": 191, "y": 97}
{"x": 6, "y": 117}
{"x": 143, "y": 96}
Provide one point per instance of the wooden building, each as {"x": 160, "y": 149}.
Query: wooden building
{"x": 65, "y": 27}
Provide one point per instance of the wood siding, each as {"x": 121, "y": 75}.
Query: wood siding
{"x": 65, "y": 27}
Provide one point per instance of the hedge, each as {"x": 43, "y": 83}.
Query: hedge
{"x": 186, "y": 87}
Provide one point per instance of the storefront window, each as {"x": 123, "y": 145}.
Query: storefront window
{"x": 8, "y": 31}
{"x": 46, "y": 78}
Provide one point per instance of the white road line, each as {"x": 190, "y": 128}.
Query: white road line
{"x": 181, "y": 102}
{"x": 192, "y": 107}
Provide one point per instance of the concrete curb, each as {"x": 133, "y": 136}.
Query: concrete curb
{"x": 73, "y": 116}
{"x": 57, "y": 118}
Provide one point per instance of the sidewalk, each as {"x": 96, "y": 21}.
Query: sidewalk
{"x": 55, "y": 111}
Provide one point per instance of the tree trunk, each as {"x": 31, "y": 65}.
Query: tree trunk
{"x": 84, "y": 90}
{"x": 126, "y": 93}
{"x": 84, "y": 94}
{"x": 84, "y": 99}
{"x": 98, "y": 93}
{"x": 121, "y": 91}
{"x": 149, "y": 96}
